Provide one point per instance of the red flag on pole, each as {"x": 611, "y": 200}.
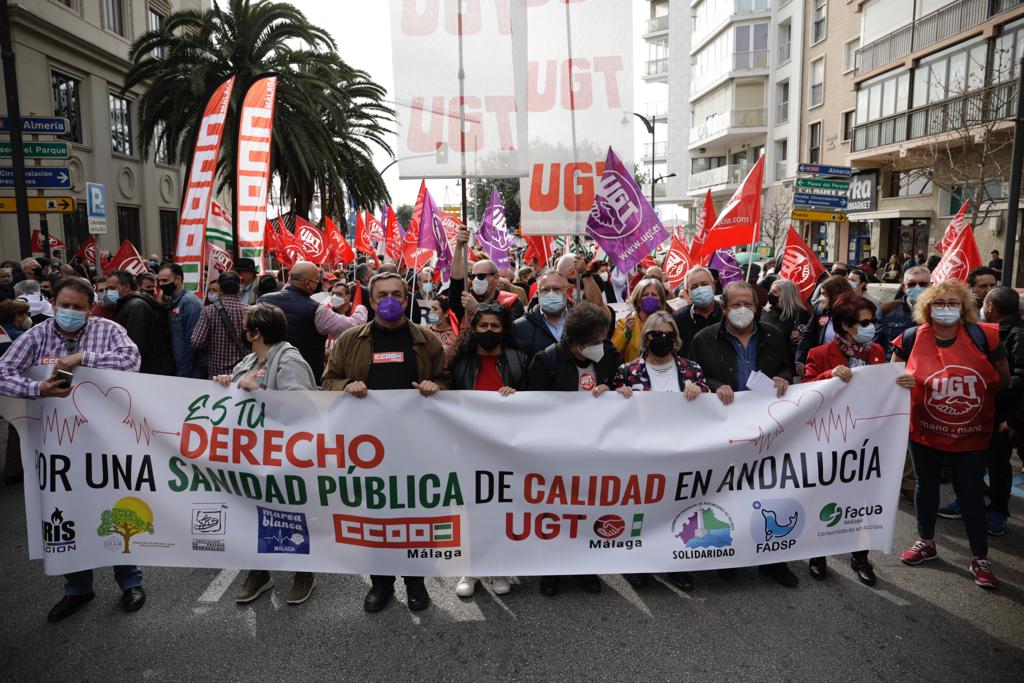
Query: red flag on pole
{"x": 87, "y": 252}
{"x": 961, "y": 257}
{"x": 677, "y": 263}
{"x": 373, "y": 227}
{"x": 800, "y": 264}
{"x": 340, "y": 250}
{"x": 538, "y": 250}
{"x": 953, "y": 230}
{"x": 37, "y": 242}
{"x": 289, "y": 249}
{"x": 312, "y": 239}
{"x": 393, "y": 236}
{"x": 740, "y": 220}
{"x": 363, "y": 237}
{"x": 705, "y": 220}
{"x": 128, "y": 259}
{"x": 269, "y": 238}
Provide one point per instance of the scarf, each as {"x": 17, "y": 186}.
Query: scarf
{"x": 856, "y": 354}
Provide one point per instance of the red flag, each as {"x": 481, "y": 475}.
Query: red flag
{"x": 800, "y": 264}
{"x": 37, "y": 242}
{"x": 340, "y": 250}
{"x": 373, "y": 227}
{"x": 412, "y": 235}
{"x": 961, "y": 258}
{"x": 677, "y": 263}
{"x": 740, "y": 220}
{"x": 128, "y": 259}
{"x": 363, "y": 237}
{"x": 393, "y": 236}
{"x": 217, "y": 261}
{"x": 313, "y": 241}
{"x": 269, "y": 238}
{"x": 953, "y": 230}
{"x": 538, "y": 250}
{"x": 289, "y": 249}
{"x": 705, "y": 220}
{"x": 87, "y": 252}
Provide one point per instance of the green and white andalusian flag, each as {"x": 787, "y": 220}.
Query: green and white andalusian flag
{"x": 218, "y": 224}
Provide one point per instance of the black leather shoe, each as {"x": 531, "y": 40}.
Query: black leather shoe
{"x": 864, "y": 571}
{"x": 682, "y": 580}
{"x": 378, "y": 598}
{"x": 780, "y": 573}
{"x": 818, "y": 567}
{"x": 67, "y": 606}
{"x": 636, "y": 580}
{"x": 727, "y": 573}
{"x": 133, "y": 599}
{"x": 549, "y": 585}
{"x": 590, "y": 583}
{"x": 417, "y": 595}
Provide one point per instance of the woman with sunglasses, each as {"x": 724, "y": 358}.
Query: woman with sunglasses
{"x": 488, "y": 358}
{"x": 853, "y": 320}
{"x": 661, "y": 368}
{"x": 648, "y": 297}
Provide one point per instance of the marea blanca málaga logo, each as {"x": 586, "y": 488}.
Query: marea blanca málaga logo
{"x": 209, "y": 524}
{"x": 609, "y": 528}
{"x": 282, "y": 532}
{"x": 706, "y": 530}
{"x": 834, "y": 513}
{"x": 128, "y": 518}
{"x": 776, "y": 524}
{"x": 58, "y": 533}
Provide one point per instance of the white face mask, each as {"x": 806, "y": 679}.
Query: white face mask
{"x": 480, "y": 286}
{"x": 593, "y": 353}
{"x": 740, "y": 318}
{"x": 603, "y": 276}
{"x": 337, "y": 302}
{"x": 427, "y": 287}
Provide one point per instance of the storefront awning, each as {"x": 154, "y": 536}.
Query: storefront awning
{"x": 891, "y": 213}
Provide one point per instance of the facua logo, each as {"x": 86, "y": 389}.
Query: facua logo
{"x": 282, "y": 532}
{"x": 831, "y": 514}
{"x": 776, "y": 524}
{"x": 58, "y": 533}
{"x": 399, "y": 532}
{"x": 706, "y": 530}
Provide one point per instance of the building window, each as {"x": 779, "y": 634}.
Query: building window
{"x": 950, "y": 75}
{"x": 155, "y": 22}
{"x": 782, "y": 108}
{"x": 168, "y": 230}
{"x": 128, "y": 227}
{"x": 121, "y": 125}
{"x": 161, "y": 153}
{"x": 785, "y": 38}
{"x": 113, "y": 16}
{"x": 883, "y": 97}
{"x": 814, "y": 143}
{"x": 67, "y": 102}
{"x": 816, "y": 92}
{"x": 820, "y": 20}
{"x": 850, "y": 55}
{"x": 995, "y": 190}
{"x": 910, "y": 184}
{"x": 76, "y": 228}
{"x": 847, "y": 125}
{"x": 781, "y": 158}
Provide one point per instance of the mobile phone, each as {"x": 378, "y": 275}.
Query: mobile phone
{"x": 64, "y": 377}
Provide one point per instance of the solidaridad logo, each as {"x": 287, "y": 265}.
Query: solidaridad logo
{"x": 776, "y": 525}
{"x": 833, "y": 513}
{"x": 706, "y": 529}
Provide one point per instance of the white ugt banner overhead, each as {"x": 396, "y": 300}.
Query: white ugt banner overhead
{"x": 166, "y": 471}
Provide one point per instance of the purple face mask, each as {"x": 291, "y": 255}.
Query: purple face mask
{"x": 390, "y": 309}
{"x": 649, "y": 304}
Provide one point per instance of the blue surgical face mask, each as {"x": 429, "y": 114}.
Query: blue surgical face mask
{"x": 212, "y": 298}
{"x": 864, "y": 334}
{"x": 703, "y": 296}
{"x": 427, "y": 287}
{"x": 433, "y": 318}
{"x": 552, "y": 302}
{"x": 113, "y": 295}
{"x": 69, "y": 320}
{"x": 913, "y": 293}
{"x": 946, "y": 316}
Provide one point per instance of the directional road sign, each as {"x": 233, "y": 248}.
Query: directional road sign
{"x": 37, "y": 125}
{"x": 96, "y": 208}
{"x": 820, "y": 184}
{"x": 819, "y": 169}
{"x": 40, "y": 205}
{"x": 799, "y": 215}
{"x": 38, "y": 150}
{"x": 825, "y": 201}
{"x": 40, "y": 178}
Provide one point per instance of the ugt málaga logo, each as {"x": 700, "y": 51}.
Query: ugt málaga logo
{"x": 955, "y": 395}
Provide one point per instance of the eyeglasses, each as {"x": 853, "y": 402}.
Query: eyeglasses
{"x": 480, "y": 276}
{"x": 916, "y": 284}
{"x": 866, "y": 323}
{"x": 489, "y": 308}
{"x": 949, "y": 305}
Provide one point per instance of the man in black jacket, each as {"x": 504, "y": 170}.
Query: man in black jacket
{"x": 729, "y": 352}
{"x": 146, "y": 322}
{"x": 543, "y": 324}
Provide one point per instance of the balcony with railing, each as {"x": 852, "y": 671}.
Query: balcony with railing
{"x": 660, "y": 150}
{"x": 958, "y": 113}
{"x": 657, "y": 25}
{"x": 784, "y": 52}
{"x": 657, "y": 110}
{"x": 930, "y": 29}
{"x": 782, "y": 112}
{"x": 705, "y": 27}
{"x": 656, "y": 68}
{"x": 752, "y": 60}
{"x": 725, "y": 176}
{"x": 724, "y": 123}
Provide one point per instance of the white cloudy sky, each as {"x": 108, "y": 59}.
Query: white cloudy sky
{"x": 362, "y": 31}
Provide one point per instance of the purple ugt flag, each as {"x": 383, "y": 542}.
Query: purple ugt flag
{"x": 724, "y": 261}
{"x": 494, "y": 235}
{"x": 622, "y": 221}
{"x": 432, "y": 235}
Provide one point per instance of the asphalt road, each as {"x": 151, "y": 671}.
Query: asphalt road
{"x": 922, "y": 623}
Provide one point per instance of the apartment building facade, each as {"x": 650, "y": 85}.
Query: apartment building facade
{"x": 72, "y": 58}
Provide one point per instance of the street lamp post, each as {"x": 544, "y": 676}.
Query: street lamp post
{"x": 649, "y": 123}
{"x": 658, "y": 180}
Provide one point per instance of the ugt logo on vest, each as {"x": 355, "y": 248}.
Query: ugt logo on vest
{"x": 955, "y": 395}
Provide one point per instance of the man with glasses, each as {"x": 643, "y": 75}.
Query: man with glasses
{"x": 897, "y": 316}
{"x": 543, "y": 324}
{"x": 73, "y": 338}
{"x": 483, "y": 281}
{"x": 703, "y": 310}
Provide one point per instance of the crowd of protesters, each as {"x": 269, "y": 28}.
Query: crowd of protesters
{"x": 571, "y": 325}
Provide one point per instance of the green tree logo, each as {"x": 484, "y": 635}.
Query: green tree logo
{"x": 128, "y": 517}
{"x": 831, "y": 514}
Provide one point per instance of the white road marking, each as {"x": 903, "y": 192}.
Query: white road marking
{"x": 215, "y": 591}
{"x": 891, "y": 597}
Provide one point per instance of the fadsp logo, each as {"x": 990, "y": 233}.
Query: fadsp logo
{"x": 616, "y": 212}
{"x": 128, "y": 518}
{"x": 58, "y": 533}
{"x": 609, "y": 526}
{"x": 955, "y": 395}
{"x": 776, "y": 524}
{"x": 282, "y": 532}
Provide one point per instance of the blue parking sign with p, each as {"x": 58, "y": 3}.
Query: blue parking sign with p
{"x": 96, "y": 199}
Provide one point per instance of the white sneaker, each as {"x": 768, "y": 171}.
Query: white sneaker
{"x": 500, "y": 585}
{"x": 466, "y": 587}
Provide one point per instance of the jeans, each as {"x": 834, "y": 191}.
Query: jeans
{"x": 1000, "y": 473}
{"x": 968, "y": 484}
{"x": 80, "y": 583}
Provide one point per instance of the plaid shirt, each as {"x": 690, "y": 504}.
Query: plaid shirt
{"x": 103, "y": 343}
{"x": 635, "y": 375}
{"x": 211, "y": 336}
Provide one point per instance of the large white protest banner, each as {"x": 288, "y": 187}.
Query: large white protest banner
{"x": 139, "y": 469}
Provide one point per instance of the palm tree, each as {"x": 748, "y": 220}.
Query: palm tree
{"x": 328, "y": 116}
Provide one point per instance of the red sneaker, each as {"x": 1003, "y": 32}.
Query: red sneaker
{"x": 982, "y": 570}
{"x": 921, "y": 551}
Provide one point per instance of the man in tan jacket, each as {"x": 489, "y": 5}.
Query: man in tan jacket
{"x": 388, "y": 353}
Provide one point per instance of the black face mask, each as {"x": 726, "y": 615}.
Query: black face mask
{"x": 661, "y": 346}
{"x": 168, "y": 289}
{"x": 489, "y": 340}
{"x": 773, "y": 299}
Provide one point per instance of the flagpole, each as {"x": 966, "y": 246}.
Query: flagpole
{"x": 462, "y": 145}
